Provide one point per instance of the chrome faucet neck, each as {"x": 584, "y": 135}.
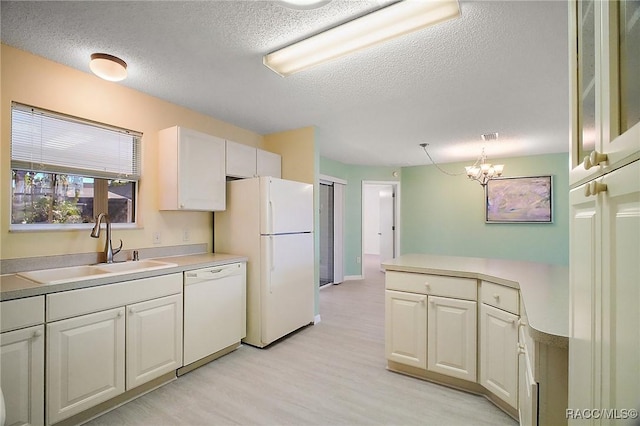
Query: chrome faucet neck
{"x": 95, "y": 233}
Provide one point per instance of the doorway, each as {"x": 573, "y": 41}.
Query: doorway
{"x": 331, "y": 203}
{"x": 380, "y": 232}
{"x": 326, "y": 234}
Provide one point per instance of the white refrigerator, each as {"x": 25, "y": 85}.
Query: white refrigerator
{"x": 270, "y": 221}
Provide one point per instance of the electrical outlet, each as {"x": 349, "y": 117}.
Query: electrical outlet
{"x": 156, "y": 238}
{"x": 358, "y": 259}
{"x": 186, "y": 235}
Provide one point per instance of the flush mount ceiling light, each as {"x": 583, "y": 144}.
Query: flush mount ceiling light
{"x": 384, "y": 24}
{"x": 108, "y": 67}
{"x": 303, "y": 4}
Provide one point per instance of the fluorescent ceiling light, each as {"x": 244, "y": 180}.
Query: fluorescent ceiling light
{"x": 108, "y": 67}
{"x": 304, "y": 4}
{"x": 384, "y": 24}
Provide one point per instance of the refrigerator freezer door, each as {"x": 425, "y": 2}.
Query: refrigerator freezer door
{"x": 287, "y": 206}
{"x": 287, "y": 284}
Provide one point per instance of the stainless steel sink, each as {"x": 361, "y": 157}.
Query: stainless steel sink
{"x": 79, "y": 273}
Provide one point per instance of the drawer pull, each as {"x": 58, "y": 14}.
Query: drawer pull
{"x": 497, "y": 297}
{"x": 119, "y": 314}
{"x": 132, "y": 311}
{"x": 37, "y": 334}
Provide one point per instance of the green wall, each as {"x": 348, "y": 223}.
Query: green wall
{"x": 442, "y": 214}
{"x": 354, "y": 175}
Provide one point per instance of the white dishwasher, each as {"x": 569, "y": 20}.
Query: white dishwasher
{"x": 214, "y": 310}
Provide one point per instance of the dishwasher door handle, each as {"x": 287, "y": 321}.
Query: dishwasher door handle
{"x": 210, "y": 274}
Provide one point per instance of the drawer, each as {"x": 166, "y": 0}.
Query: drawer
{"x": 72, "y": 303}
{"x": 500, "y": 296}
{"x": 21, "y": 313}
{"x": 434, "y": 285}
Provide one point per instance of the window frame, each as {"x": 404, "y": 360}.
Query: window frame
{"x": 135, "y": 177}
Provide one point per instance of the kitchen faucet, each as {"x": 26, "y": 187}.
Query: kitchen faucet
{"x": 95, "y": 233}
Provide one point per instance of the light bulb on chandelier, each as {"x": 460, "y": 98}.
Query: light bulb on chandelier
{"x": 481, "y": 171}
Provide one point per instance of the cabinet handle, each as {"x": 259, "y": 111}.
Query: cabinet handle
{"x": 594, "y": 159}
{"x": 427, "y": 286}
{"x": 422, "y": 301}
{"x": 594, "y": 188}
{"x": 431, "y": 301}
{"x": 132, "y": 311}
{"x": 37, "y": 334}
{"x": 521, "y": 323}
{"x": 119, "y": 314}
{"x": 497, "y": 297}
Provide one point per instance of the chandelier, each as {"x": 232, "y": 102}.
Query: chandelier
{"x": 481, "y": 171}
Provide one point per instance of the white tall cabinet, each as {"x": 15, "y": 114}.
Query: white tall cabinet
{"x": 604, "y": 347}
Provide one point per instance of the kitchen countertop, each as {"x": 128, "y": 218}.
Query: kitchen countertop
{"x": 13, "y": 286}
{"x": 544, "y": 288}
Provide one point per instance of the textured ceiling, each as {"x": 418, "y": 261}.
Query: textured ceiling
{"x": 501, "y": 67}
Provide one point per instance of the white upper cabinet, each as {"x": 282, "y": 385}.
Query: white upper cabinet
{"x": 191, "y": 170}
{"x": 268, "y": 164}
{"x": 244, "y": 161}
{"x": 241, "y": 160}
{"x": 604, "y": 89}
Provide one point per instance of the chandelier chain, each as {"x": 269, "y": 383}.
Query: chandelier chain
{"x": 424, "y": 146}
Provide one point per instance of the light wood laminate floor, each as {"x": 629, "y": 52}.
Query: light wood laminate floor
{"x": 332, "y": 373}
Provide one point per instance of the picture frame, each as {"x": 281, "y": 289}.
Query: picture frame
{"x": 527, "y": 199}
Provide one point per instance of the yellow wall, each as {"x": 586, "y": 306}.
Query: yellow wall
{"x": 297, "y": 148}
{"x": 35, "y": 81}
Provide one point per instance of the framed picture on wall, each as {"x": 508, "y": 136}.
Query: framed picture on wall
{"x": 519, "y": 200}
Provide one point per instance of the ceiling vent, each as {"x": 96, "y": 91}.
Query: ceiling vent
{"x": 490, "y": 137}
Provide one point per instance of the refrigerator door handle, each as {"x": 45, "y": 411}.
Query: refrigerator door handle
{"x": 270, "y": 218}
{"x": 271, "y": 261}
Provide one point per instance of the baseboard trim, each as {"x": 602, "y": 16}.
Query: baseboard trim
{"x": 353, "y": 277}
{"x": 316, "y": 319}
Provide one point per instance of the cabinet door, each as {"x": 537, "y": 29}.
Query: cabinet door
{"x": 241, "y": 160}
{"x": 268, "y": 164}
{"x": 584, "y": 299}
{"x": 85, "y": 362}
{"x": 498, "y": 353}
{"x": 451, "y": 340}
{"x": 201, "y": 171}
{"x": 22, "y": 378}
{"x": 621, "y": 293}
{"x": 154, "y": 339}
{"x": 406, "y": 328}
{"x": 527, "y": 389}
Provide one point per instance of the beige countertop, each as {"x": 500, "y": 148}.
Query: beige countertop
{"x": 544, "y": 288}
{"x": 13, "y": 286}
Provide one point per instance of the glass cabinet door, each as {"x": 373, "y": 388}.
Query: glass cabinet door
{"x": 629, "y": 63}
{"x": 586, "y": 78}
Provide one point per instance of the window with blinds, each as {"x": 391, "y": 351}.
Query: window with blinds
{"x": 66, "y": 170}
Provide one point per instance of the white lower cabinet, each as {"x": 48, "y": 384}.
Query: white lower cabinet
{"x": 527, "y": 385}
{"x": 103, "y": 341}
{"x": 406, "y": 328}
{"x": 154, "y": 339}
{"x": 22, "y": 375}
{"x": 85, "y": 362}
{"x": 451, "y": 337}
{"x": 499, "y": 353}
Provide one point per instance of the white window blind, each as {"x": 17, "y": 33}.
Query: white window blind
{"x": 45, "y": 141}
